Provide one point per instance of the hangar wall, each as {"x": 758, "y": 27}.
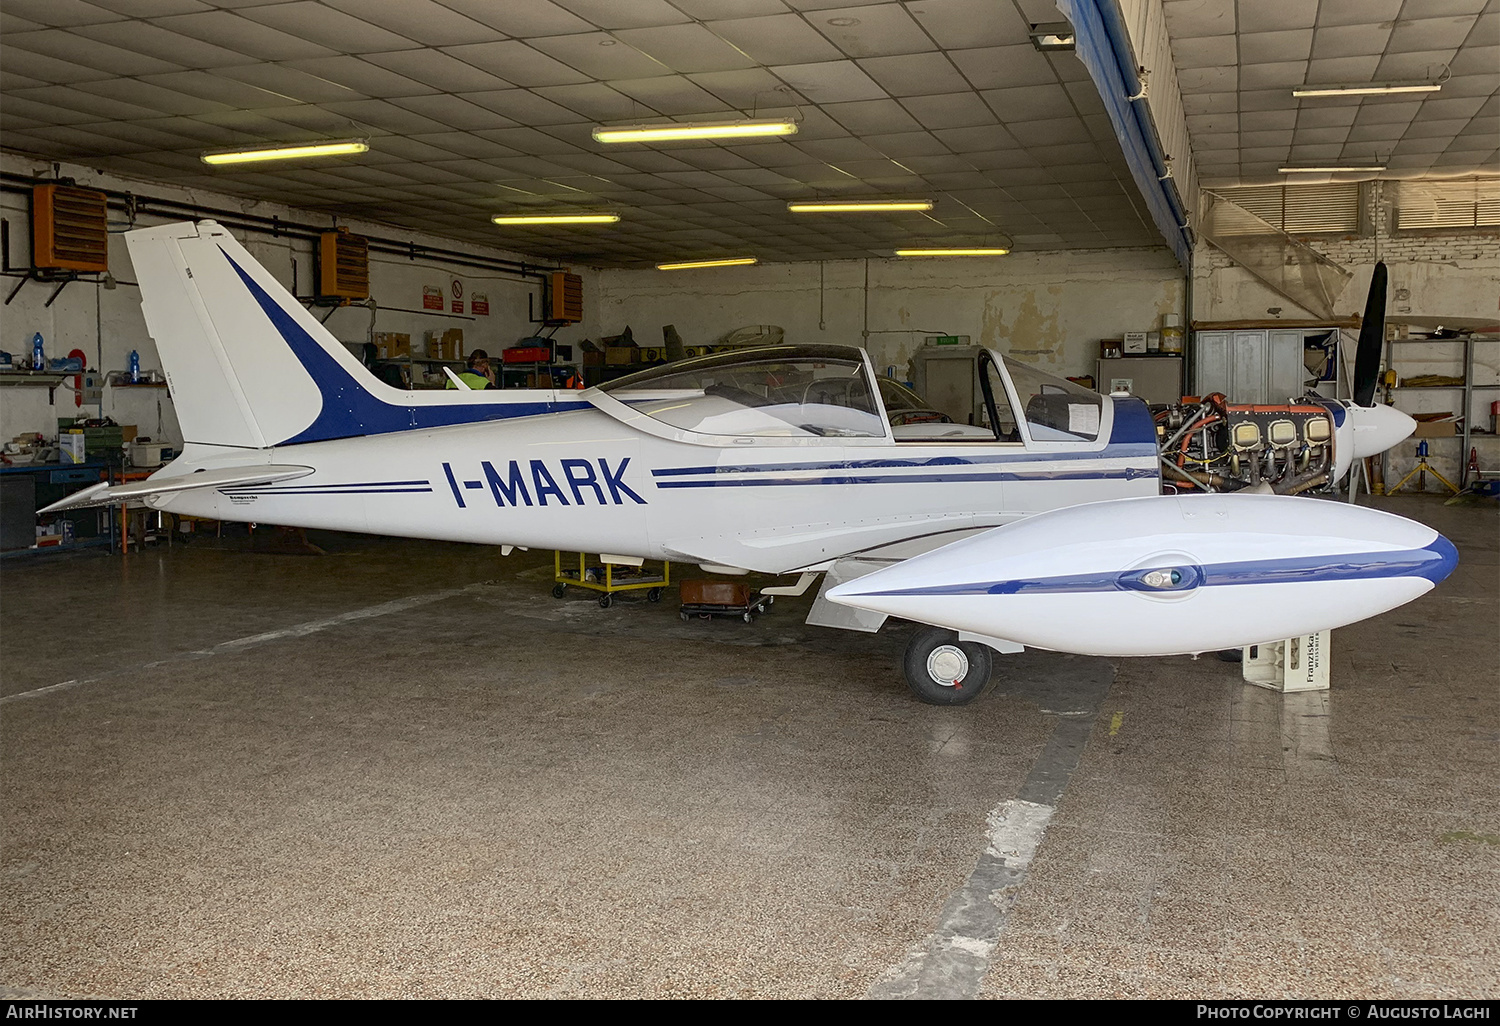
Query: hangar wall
{"x": 1446, "y": 272}
{"x": 1049, "y": 309}
{"x": 1433, "y": 273}
{"x": 107, "y": 324}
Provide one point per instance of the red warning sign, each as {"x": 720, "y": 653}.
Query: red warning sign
{"x": 432, "y": 297}
{"x": 479, "y": 304}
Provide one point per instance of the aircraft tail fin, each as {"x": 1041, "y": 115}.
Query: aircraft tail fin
{"x": 246, "y": 363}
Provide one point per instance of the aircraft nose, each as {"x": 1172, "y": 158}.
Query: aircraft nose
{"x": 1377, "y": 428}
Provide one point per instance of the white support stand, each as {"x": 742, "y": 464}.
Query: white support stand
{"x": 1296, "y": 664}
{"x": 1356, "y": 474}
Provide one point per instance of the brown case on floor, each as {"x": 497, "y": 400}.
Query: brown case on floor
{"x": 714, "y": 593}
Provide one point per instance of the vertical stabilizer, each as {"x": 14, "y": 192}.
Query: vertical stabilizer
{"x": 234, "y": 378}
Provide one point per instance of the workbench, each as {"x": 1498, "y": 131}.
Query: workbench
{"x": 27, "y": 487}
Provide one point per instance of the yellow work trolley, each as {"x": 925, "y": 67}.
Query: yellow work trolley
{"x": 608, "y": 578}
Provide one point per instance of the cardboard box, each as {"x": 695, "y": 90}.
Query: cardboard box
{"x": 714, "y": 593}
{"x": 450, "y": 345}
{"x": 620, "y": 355}
{"x": 1436, "y": 429}
{"x": 391, "y": 345}
{"x": 592, "y": 358}
{"x": 72, "y": 447}
{"x": 1296, "y": 664}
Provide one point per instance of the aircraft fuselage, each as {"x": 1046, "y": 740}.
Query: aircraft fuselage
{"x": 583, "y": 481}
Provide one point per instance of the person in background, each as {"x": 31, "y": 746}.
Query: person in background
{"x": 478, "y": 376}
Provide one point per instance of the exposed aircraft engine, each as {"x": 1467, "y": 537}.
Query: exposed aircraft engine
{"x": 1218, "y": 446}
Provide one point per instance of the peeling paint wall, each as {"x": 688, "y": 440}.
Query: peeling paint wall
{"x": 1048, "y": 309}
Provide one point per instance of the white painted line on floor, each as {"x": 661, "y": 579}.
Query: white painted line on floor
{"x": 950, "y": 963}
{"x": 240, "y": 644}
{"x": 1016, "y": 829}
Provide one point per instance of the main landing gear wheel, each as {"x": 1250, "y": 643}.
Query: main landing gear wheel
{"x": 941, "y": 670}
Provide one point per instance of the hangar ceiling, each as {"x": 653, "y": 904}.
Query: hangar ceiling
{"x": 1237, "y": 61}
{"x": 477, "y": 107}
{"x": 474, "y": 107}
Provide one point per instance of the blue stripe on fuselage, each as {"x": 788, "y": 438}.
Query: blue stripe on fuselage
{"x": 349, "y": 408}
{"x": 1126, "y": 474}
{"x": 1113, "y": 452}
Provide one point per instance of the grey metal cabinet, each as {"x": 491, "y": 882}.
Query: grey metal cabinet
{"x": 945, "y": 376}
{"x": 1256, "y": 366}
{"x": 1156, "y": 379}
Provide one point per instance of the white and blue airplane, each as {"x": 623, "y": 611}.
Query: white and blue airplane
{"x": 1044, "y": 525}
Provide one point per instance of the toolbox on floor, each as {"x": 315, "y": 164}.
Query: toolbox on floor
{"x": 708, "y": 599}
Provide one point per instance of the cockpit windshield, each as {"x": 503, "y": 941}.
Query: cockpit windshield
{"x": 1056, "y": 409}
{"x": 773, "y": 391}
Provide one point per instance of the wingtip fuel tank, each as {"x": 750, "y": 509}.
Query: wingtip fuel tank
{"x": 1165, "y": 575}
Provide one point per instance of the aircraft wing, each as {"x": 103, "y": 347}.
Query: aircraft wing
{"x": 103, "y": 494}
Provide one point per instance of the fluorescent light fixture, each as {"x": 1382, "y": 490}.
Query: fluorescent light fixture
{"x": 526, "y": 219}
{"x": 697, "y": 130}
{"x": 965, "y": 251}
{"x": 1330, "y": 169}
{"x": 857, "y": 206}
{"x": 337, "y": 148}
{"x": 1366, "y": 88}
{"x": 1053, "y": 35}
{"x": 727, "y": 262}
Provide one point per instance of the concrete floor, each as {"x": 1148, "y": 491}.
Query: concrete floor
{"x": 404, "y": 769}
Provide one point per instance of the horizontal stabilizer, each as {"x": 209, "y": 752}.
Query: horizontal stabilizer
{"x": 103, "y": 494}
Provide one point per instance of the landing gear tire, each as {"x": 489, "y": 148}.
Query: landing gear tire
{"x": 941, "y": 670}
{"x": 559, "y": 590}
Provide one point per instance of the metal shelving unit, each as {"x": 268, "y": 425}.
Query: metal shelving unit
{"x": 1468, "y": 388}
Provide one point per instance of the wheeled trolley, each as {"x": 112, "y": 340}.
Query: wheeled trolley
{"x": 708, "y": 599}
{"x": 608, "y": 578}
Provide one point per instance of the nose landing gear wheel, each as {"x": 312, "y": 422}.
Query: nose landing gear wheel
{"x": 941, "y": 670}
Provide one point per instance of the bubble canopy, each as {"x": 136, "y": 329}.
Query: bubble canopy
{"x": 791, "y": 392}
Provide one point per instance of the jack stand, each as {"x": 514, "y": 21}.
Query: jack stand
{"x": 1424, "y": 468}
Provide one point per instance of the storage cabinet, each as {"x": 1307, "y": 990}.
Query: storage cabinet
{"x": 1156, "y": 379}
{"x": 1252, "y": 366}
{"x": 945, "y": 376}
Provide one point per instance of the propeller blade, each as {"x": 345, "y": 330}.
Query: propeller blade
{"x": 1371, "y": 338}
